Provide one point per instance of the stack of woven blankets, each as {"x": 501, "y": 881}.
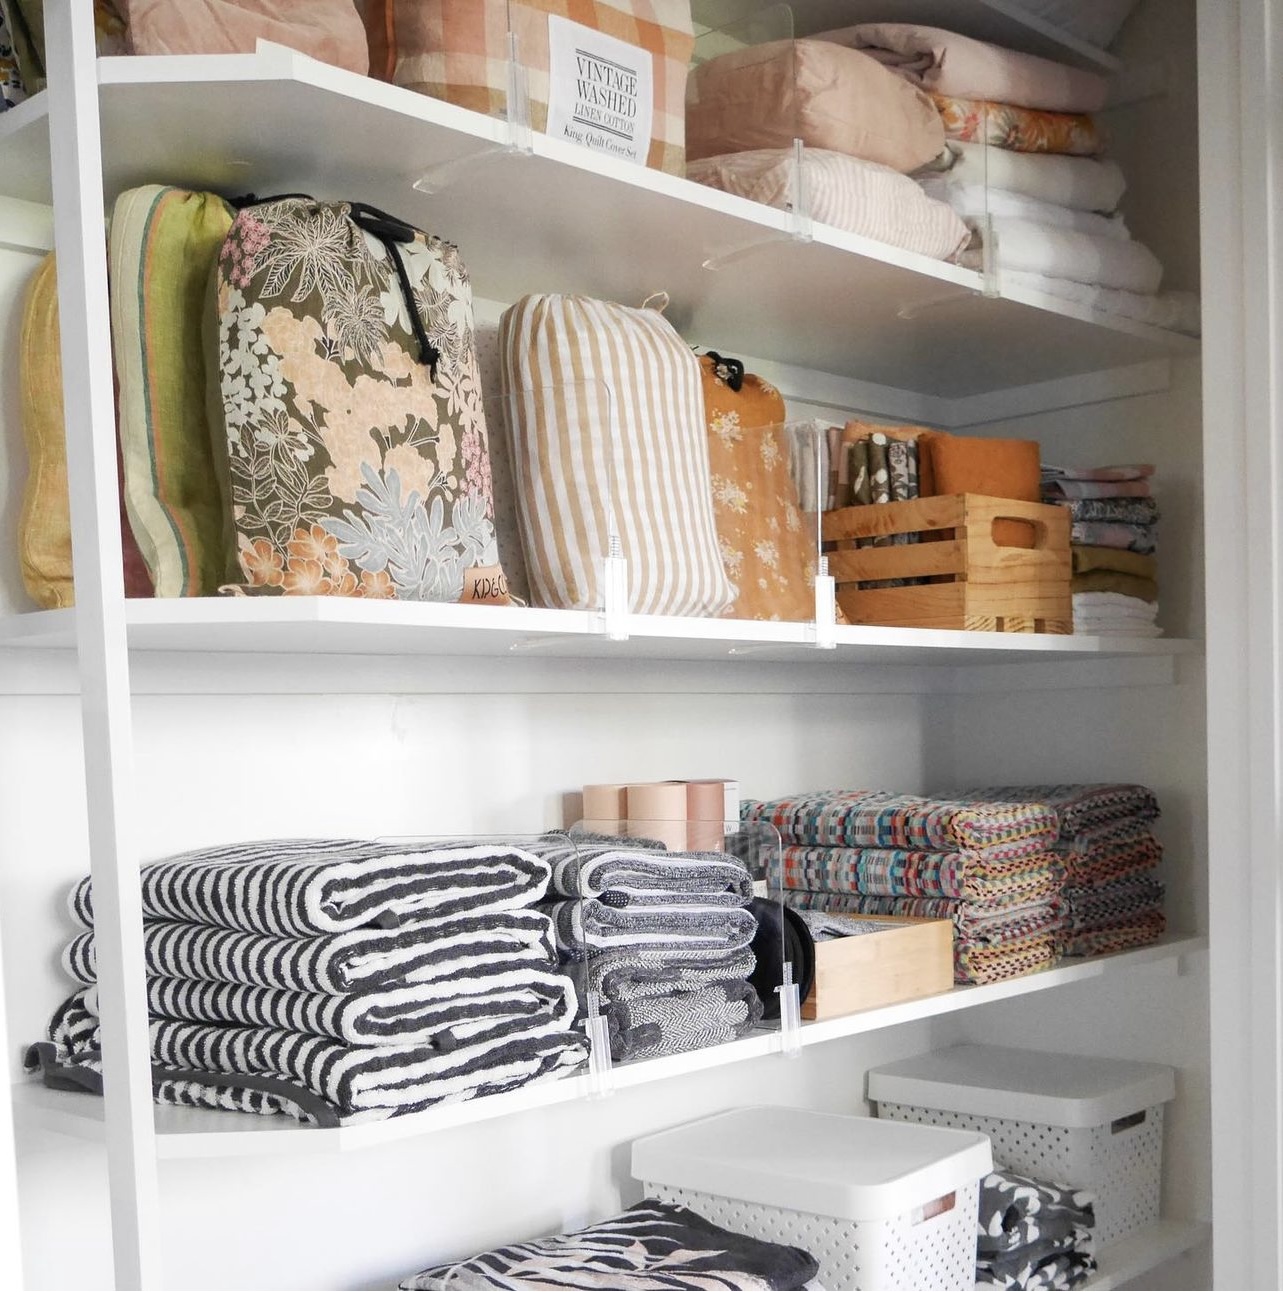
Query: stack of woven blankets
{"x": 989, "y": 868}
{"x": 334, "y": 980}
{"x": 1112, "y": 543}
{"x": 1109, "y": 852}
{"x": 663, "y": 939}
{"x": 1033, "y": 1234}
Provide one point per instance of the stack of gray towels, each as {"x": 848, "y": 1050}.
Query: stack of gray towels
{"x": 335, "y": 980}
{"x": 663, "y": 938}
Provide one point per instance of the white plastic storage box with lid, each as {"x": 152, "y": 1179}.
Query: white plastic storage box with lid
{"x": 879, "y": 1205}
{"x": 1091, "y": 1123}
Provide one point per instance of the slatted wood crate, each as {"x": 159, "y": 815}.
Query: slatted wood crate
{"x": 973, "y": 583}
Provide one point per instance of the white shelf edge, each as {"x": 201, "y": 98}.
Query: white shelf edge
{"x": 1128, "y": 1259}
{"x": 194, "y": 1133}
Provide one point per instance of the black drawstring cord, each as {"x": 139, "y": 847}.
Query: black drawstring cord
{"x": 389, "y": 231}
{"x": 731, "y": 371}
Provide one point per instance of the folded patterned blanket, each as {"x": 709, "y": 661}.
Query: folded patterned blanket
{"x": 898, "y": 872}
{"x": 1033, "y": 1234}
{"x": 1121, "y": 934}
{"x": 1080, "y": 808}
{"x": 1090, "y": 908}
{"x": 1023, "y": 130}
{"x": 649, "y": 1027}
{"x": 628, "y": 974}
{"x": 593, "y": 867}
{"x": 1111, "y": 851}
{"x": 297, "y": 887}
{"x": 1103, "y": 533}
{"x": 979, "y": 923}
{"x": 880, "y": 819}
{"x": 502, "y": 1000}
{"x": 326, "y": 1080}
{"x": 583, "y": 929}
{"x": 456, "y": 949}
{"x": 1111, "y": 511}
{"x": 976, "y": 965}
{"x": 653, "y": 1246}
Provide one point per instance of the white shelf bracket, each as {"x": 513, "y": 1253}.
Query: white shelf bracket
{"x": 826, "y": 611}
{"x": 790, "y": 1014}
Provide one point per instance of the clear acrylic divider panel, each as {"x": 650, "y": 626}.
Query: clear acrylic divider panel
{"x": 683, "y": 936}
{"x": 553, "y": 471}
{"x": 818, "y": 466}
{"x": 558, "y": 915}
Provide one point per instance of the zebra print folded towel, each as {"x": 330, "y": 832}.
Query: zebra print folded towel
{"x": 444, "y": 1014}
{"x": 1033, "y": 1234}
{"x": 636, "y": 975}
{"x": 300, "y": 887}
{"x": 594, "y": 867}
{"x": 347, "y": 1079}
{"x": 588, "y": 927}
{"x": 454, "y": 950}
{"x": 653, "y": 1246}
{"x": 690, "y": 1020}
{"x": 880, "y": 819}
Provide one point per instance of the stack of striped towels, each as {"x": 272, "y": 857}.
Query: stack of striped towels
{"x": 334, "y": 980}
{"x": 989, "y": 868}
{"x": 1112, "y": 542}
{"x": 1113, "y": 900}
{"x": 663, "y": 939}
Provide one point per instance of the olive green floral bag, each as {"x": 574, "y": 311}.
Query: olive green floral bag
{"x": 346, "y": 408}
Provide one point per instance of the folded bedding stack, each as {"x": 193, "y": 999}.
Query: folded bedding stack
{"x": 864, "y": 129}
{"x": 1113, "y": 546}
{"x": 1107, "y": 847}
{"x": 1023, "y": 164}
{"x": 1033, "y": 1234}
{"x": 334, "y": 980}
{"x": 989, "y": 868}
{"x": 662, "y": 938}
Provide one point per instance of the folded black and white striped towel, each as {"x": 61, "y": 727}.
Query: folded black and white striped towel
{"x": 689, "y": 1020}
{"x": 302, "y": 887}
{"x": 656, "y": 1246}
{"x": 455, "y": 950}
{"x": 636, "y": 975}
{"x": 348, "y": 1079}
{"x": 445, "y": 1013}
{"x": 592, "y": 865}
{"x": 587, "y": 927}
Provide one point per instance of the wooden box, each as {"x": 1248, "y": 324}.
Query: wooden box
{"x": 973, "y": 582}
{"x": 905, "y": 960}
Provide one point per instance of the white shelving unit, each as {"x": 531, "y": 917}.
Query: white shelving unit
{"x": 208, "y": 720}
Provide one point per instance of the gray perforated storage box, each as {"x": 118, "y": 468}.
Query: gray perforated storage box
{"x": 1091, "y": 1123}
{"x": 879, "y": 1205}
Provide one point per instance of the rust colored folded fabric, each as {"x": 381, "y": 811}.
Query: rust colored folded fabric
{"x": 995, "y": 468}
{"x": 1127, "y": 585}
{"x": 329, "y": 30}
{"x": 1089, "y": 559}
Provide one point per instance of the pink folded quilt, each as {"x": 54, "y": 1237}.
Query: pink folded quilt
{"x": 944, "y": 62}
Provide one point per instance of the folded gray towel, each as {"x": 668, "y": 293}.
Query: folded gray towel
{"x": 688, "y": 1020}
{"x": 585, "y": 928}
{"x": 635, "y": 975}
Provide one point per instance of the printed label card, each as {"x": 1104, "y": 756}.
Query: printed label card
{"x": 600, "y": 91}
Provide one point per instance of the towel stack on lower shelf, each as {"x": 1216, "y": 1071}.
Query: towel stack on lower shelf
{"x": 663, "y": 938}
{"x": 1033, "y": 1234}
{"x": 1112, "y": 543}
{"x": 1110, "y": 854}
{"x": 335, "y": 980}
{"x": 988, "y": 868}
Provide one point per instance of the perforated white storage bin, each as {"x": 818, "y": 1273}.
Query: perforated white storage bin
{"x": 878, "y": 1205}
{"x": 1092, "y": 1123}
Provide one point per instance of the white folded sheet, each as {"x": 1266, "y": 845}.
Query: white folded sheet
{"x": 973, "y": 202}
{"x": 1176, "y": 311}
{"x": 1081, "y": 183}
{"x": 1068, "y": 253}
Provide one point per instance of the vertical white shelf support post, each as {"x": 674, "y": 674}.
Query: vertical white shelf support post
{"x": 75, "y": 144}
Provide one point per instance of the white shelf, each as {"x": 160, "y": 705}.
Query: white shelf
{"x": 1001, "y": 22}
{"x": 193, "y": 1133}
{"x": 915, "y": 329}
{"x": 1127, "y": 1260}
{"x": 349, "y": 626}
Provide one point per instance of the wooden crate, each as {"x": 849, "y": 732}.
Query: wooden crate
{"x": 974, "y": 583}
{"x": 907, "y": 959}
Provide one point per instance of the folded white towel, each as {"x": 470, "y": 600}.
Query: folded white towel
{"x": 973, "y": 202}
{"x": 1083, "y": 183}
{"x": 1176, "y": 311}
{"x": 1069, "y": 253}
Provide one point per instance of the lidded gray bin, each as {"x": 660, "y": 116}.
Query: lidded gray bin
{"x": 1091, "y": 1123}
{"x": 878, "y": 1204}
